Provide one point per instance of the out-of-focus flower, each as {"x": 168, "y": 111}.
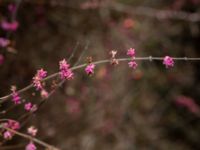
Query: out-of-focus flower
{"x": 189, "y": 103}
{"x": 128, "y": 23}
{"x": 12, "y": 8}
{"x": 4, "y": 42}
{"x": 9, "y": 26}
{"x": 168, "y": 61}
{"x": 31, "y": 146}
{"x": 7, "y": 135}
{"x": 44, "y": 94}
{"x": 1, "y": 59}
{"x": 32, "y": 130}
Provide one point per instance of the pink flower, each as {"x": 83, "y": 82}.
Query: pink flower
{"x": 7, "y": 135}
{"x": 65, "y": 71}
{"x": 37, "y": 79}
{"x": 168, "y": 61}
{"x": 41, "y": 73}
{"x": 131, "y": 52}
{"x": 1, "y": 59}
{"x": 90, "y": 69}
{"x": 16, "y": 98}
{"x": 9, "y": 26}
{"x": 31, "y": 146}
{"x": 4, "y": 42}
{"x": 44, "y": 94}
{"x": 30, "y": 107}
{"x": 32, "y": 131}
{"x": 133, "y": 64}
{"x": 13, "y": 124}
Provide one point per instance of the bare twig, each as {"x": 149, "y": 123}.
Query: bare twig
{"x": 149, "y": 58}
{"x": 50, "y": 147}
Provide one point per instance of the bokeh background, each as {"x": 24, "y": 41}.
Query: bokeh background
{"x": 150, "y": 108}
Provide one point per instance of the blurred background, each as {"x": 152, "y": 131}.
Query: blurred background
{"x": 150, "y": 108}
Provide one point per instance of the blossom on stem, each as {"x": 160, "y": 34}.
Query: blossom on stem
{"x": 131, "y": 52}
{"x": 31, "y": 146}
{"x": 133, "y": 64}
{"x": 65, "y": 71}
{"x": 11, "y": 124}
{"x": 90, "y": 69}
{"x": 37, "y": 79}
{"x": 168, "y": 61}
{"x": 32, "y": 130}
{"x": 30, "y": 107}
{"x": 44, "y": 94}
{"x": 16, "y": 98}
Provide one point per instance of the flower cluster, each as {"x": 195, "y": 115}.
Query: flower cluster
{"x": 15, "y": 96}
{"x": 132, "y": 63}
{"x": 11, "y": 124}
{"x": 168, "y": 61}
{"x": 90, "y": 69}
{"x": 30, "y": 107}
{"x": 37, "y": 79}
{"x": 65, "y": 71}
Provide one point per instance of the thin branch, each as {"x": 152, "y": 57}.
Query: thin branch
{"x": 50, "y": 147}
{"x": 149, "y": 58}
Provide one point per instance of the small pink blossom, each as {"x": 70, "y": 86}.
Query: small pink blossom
{"x": 9, "y": 26}
{"x": 7, "y": 135}
{"x": 131, "y": 52}
{"x": 168, "y": 61}
{"x": 4, "y": 42}
{"x": 31, "y": 146}
{"x": 90, "y": 69}
{"x": 1, "y": 59}
{"x": 16, "y": 98}
{"x": 133, "y": 64}
{"x": 28, "y": 106}
{"x": 32, "y": 131}
{"x": 37, "y": 79}
{"x": 65, "y": 71}
{"x": 44, "y": 94}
